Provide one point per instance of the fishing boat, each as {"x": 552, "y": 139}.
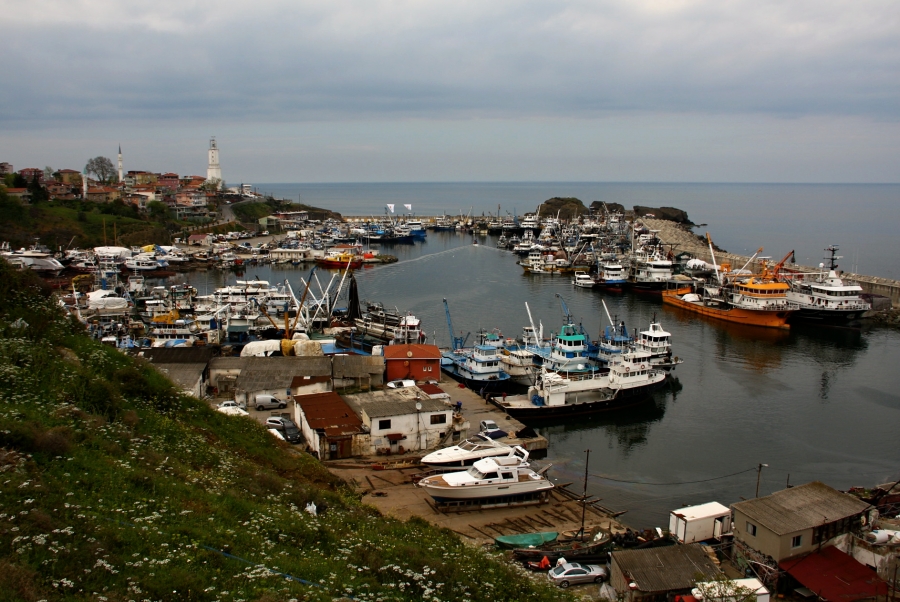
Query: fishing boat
{"x": 595, "y": 543}
{"x": 651, "y": 272}
{"x": 466, "y": 453}
{"x": 612, "y": 276}
{"x": 657, "y": 343}
{"x": 738, "y": 297}
{"x": 341, "y": 257}
{"x": 826, "y": 298}
{"x": 526, "y": 540}
{"x": 627, "y": 382}
{"x": 583, "y": 280}
{"x": 477, "y": 368}
{"x": 507, "y": 477}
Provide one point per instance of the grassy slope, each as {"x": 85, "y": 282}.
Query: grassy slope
{"x": 112, "y": 484}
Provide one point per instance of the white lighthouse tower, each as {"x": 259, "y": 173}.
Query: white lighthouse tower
{"x": 213, "y": 171}
{"x": 120, "y": 164}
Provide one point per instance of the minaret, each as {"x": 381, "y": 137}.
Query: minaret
{"x": 213, "y": 171}
{"x": 84, "y": 184}
{"x": 120, "y": 164}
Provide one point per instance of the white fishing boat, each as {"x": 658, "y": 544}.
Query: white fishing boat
{"x": 499, "y": 477}
{"x": 466, "y": 453}
{"x": 627, "y": 382}
{"x": 826, "y": 298}
{"x": 583, "y": 280}
{"x": 657, "y": 343}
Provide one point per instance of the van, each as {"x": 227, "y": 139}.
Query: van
{"x": 268, "y": 402}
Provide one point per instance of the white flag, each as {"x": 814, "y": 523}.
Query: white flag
{"x": 391, "y": 207}
{"x": 408, "y": 207}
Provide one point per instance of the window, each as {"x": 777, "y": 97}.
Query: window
{"x": 438, "y": 419}
{"x": 796, "y": 541}
{"x": 384, "y": 425}
{"x": 751, "y": 529}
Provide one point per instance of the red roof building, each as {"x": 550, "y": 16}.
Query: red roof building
{"x": 834, "y": 576}
{"x": 328, "y": 424}
{"x": 413, "y": 361}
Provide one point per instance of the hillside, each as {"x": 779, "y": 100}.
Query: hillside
{"x": 116, "y": 487}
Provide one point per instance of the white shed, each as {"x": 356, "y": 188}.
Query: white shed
{"x": 699, "y": 523}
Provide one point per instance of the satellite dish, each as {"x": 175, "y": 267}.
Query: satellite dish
{"x": 418, "y": 406}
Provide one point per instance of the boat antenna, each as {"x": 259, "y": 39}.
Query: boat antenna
{"x": 713, "y": 255}
{"x": 584, "y": 495}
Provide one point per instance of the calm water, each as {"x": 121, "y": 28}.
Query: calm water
{"x": 820, "y": 404}
{"x": 860, "y": 218}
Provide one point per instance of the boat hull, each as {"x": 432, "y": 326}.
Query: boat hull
{"x": 477, "y": 492}
{"x": 831, "y": 317}
{"x": 764, "y": 318}
{"x": 585, "y": 406}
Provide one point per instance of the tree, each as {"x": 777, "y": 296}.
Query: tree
{"x": 102, "y": 167}
{"x": 158, "y": 210}
{"x": 48, "y": 173}
{"x": 212, "y": 184}
{"x": 38, "y": 192}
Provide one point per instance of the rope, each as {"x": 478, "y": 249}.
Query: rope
{"x": 600, "y": 476}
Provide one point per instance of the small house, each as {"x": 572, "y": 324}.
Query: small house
{"x": 412, "y": 361}
{"x": 331, "y": 428}
{"x": 794, "y": 521}
{"x": 403, "y": 421}
{"x": 699, "y": 523}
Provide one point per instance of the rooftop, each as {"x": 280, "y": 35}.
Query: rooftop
{"x": 666, "y": 569}
{"x": 802, "y": 507}
{"x": 328, "y": 412}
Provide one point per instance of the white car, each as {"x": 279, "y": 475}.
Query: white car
{"x": 400, "y": 384}
{"x": 571, "y": 573}
{"x": 231, "y": 408}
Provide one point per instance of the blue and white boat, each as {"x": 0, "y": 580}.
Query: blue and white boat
{"x": 477, "y": 368}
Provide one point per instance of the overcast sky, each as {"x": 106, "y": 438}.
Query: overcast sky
{"x": 488, "y": 90}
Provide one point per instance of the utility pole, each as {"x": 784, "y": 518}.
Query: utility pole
{"x": 758, "y": 473}
{"x": 584, "y": 495}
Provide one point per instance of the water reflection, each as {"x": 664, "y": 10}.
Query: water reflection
{"x": 628, "y": 427}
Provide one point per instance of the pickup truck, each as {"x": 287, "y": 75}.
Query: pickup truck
{"x": 231, "y": 408}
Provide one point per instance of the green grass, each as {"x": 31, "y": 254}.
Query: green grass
{"x": 115, "y": 486}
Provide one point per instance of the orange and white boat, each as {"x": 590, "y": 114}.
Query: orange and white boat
{"x": 757, "y": 300}
{"x": 341, "y": 257}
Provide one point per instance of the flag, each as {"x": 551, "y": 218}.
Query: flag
{"x": 391, "y": 207}
{"x": 408, "y": 207}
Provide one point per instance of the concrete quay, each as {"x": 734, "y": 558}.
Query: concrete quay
{"x": 682, "y": 239}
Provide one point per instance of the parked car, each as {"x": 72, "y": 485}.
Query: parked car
{"x": 268, "y": 402}
{"x": 571, "y": 573}
{"x": 286, "y": 427}
{"x": 231, "y": 408}
{"x": 490, "y": 429}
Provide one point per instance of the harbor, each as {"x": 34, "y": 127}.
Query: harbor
{"x": 798, "y": 366}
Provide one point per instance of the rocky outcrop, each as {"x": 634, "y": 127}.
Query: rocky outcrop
{"x": 671, "y": 214}
{"x": 597, "y": 207}
{"x": 566, "y": 207}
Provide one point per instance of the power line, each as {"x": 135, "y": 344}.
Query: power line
{"x": 600, "y": 476}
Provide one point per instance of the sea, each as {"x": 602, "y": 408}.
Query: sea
{"x": 750, "y": 411}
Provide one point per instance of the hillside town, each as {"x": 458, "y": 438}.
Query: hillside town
{"x": 188, "y": 197}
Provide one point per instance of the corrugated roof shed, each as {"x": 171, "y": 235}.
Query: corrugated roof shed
{"x": 802, "y": 507}
{"x": 183, "y": 375}
{"x": 302, "y": 381}
{"x": 262, "y": 373}
{"x": 412, "y": 351}
{"x": 834, "y": 576}
{"x": 177, "y": 355}
{"x": 666, "y": 569}
{"x": 329, "y": 413}
{"x": 402, "y": 407}
{"x": 357, "y": 366}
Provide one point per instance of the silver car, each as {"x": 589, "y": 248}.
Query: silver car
{"x": 571, "y": 573}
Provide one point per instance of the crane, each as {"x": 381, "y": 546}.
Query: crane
{"x": 455, "y": 341}
{"x": 565, "y": 309}
{"x": 780, "y": 264}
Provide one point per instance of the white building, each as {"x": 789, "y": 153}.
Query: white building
{"x": 413, "y": 424}
{"x": 214, "y": 170}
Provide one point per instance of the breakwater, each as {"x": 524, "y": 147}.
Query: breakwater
{"x": 672, "y": 233}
